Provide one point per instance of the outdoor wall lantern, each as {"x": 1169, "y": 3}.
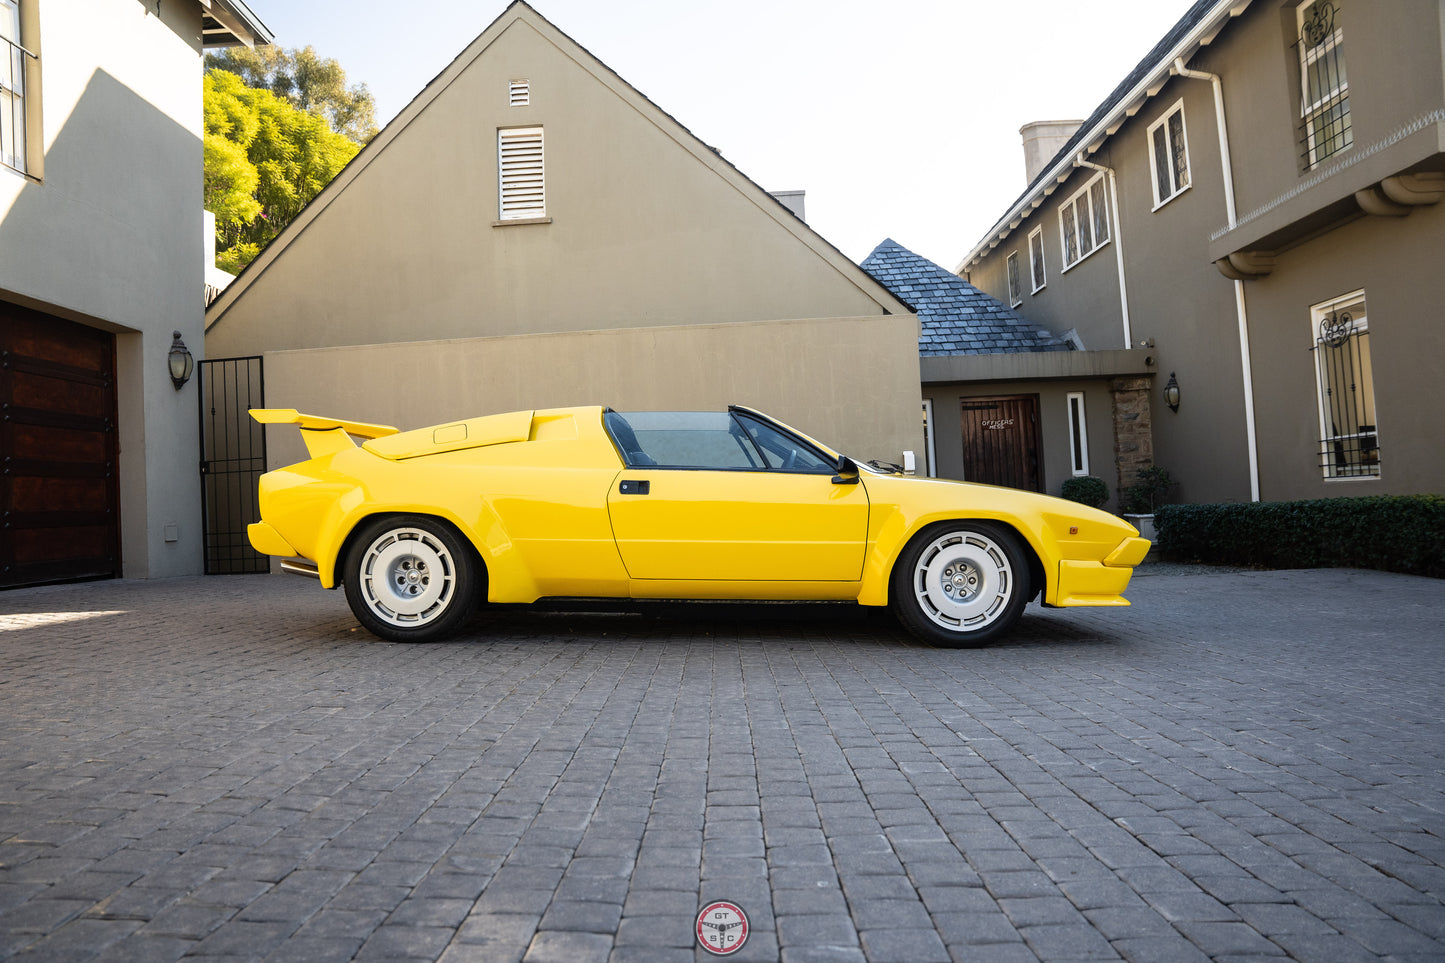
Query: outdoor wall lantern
{"x": 180, "y": 361}
{"x": 1171, "y": 393}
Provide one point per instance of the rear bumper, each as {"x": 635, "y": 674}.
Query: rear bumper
{"x": 268, "y": 541}
{"x": 1099, "y": 583}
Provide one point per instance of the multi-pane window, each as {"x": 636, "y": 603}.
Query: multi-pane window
{"x": 1084, "y": 222}
{"x": 1078, "y": 435}
{"x": 1015, "y": 285}
{"x": 12, "y": 87}
{"x": 1036, "y": 259}
{"x": 520, "y": 171}
{"x": 1349, "y": 434}
{"x": 1169, "y": 154}
{"x": 1324, "y": 86}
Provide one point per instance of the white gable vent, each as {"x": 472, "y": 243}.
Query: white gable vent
{"x": 519, "y": 161}
{"x": 519, "y": 93}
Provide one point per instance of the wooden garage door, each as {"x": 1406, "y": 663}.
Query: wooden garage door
{"x": 1001, "y": 441}
{"x": 59, "y": 495}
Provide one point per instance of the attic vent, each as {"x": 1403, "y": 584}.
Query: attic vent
{"x": 519, "y": 93}
{"x": 519, "y": 161}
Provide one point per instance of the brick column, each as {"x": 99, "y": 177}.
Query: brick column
{"x": 1133, "y": 429}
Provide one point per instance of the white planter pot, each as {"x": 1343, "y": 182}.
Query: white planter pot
{"x": 1145, "y": 524}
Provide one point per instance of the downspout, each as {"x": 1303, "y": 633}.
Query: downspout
{"x": 1240, "y": 309}
{"x": 1118, "y": 243}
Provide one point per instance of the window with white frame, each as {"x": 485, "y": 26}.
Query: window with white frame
{"x": 1084, "y": 222}
{"x": 1078, "y": 435}
{"x": 1349, "y": 432}
{"x": 519, "y": 93}
{"x": 1324, "y": 86}
{"x": 521, "y": 174}
{"x": 1169, "y": 155}
{"x": 1036, "y": 259}
{"x": 1015, "y": 284}
{"x": 12, "y": 87}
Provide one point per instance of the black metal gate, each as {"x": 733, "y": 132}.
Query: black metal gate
{"x": 233, "y": 456}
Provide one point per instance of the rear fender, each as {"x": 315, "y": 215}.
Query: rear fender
{"x": 506, "y": 576}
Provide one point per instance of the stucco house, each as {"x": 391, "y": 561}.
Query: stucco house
{"x": 531, "y": 231}
{"x": 100, "y": 217}
{"x": 1256, "y": 204}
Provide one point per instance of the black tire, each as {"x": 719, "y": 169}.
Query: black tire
{"x": 961, "y": 584}
{"x": 410, "y": 578}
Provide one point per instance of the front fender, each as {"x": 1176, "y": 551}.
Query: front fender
{"x": 1054, "y": 530}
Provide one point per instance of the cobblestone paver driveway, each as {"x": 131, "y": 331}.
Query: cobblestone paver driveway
{"x": 1243, "y": 765}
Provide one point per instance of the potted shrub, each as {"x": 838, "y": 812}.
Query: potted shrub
{"x": 1138, "y": 501}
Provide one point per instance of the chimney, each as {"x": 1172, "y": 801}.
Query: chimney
{"x": 1042, "y": 140}
{"x": 793, "y": 201}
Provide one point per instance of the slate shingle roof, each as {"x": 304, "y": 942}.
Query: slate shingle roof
{"x": 957, "y": 318}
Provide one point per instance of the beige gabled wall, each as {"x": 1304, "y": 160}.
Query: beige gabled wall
{"x": 648, "y": 226}
{"x": 663, "y": 278}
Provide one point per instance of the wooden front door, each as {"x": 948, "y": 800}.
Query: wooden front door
{"x": 59, "y": 491}
{"x": 1001, "y": 441}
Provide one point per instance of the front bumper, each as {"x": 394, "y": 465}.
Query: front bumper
{"x": 1100, "y": 583}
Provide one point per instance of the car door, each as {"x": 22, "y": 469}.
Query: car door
{"x": 719, "y": 506}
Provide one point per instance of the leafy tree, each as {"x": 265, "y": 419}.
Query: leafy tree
{"x": 265, "y": 159}
{"x": 307, "y": 81}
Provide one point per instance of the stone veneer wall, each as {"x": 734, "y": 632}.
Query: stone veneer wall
{"x": 1133, "y": 429}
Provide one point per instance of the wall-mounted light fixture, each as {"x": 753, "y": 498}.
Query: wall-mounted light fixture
{"x": 1171, "y": 393}
{"x": 180, "y": 361}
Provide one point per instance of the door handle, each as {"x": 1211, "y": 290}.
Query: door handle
{"x": 633, "y": 486}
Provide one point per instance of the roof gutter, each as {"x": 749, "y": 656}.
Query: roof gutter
{"x": 1201, "y": 35}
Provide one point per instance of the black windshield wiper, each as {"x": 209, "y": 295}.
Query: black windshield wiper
{"x": 887, "y": 466}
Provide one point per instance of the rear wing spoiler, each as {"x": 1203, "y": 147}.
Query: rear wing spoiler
{"x": 323, "y": 436}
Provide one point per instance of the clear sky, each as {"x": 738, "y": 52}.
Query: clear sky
{"x": 900, "y": 118}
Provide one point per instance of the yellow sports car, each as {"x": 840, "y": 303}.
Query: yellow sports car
{"x": 421, "y": 526}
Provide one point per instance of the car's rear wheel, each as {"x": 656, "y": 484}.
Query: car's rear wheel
{"x": 961, "y": 584}
{"x": 410, "y": 578}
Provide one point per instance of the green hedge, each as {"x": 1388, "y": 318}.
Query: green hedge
{"x": 1393, "y": 533}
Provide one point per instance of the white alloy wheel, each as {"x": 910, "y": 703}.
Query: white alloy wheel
{"x": 408, "y": 577}
{"x": 961, "y": 583}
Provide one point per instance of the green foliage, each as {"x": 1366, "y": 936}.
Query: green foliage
{"x": 265, "y": 160}
{"x": 1086, "y": 490}
{"x": 307, "y": 82}
{"x": 1393, "y": 533}
{"x": 1145, "y": 497}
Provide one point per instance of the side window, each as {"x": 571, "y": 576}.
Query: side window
{"x": 783, "y": 452}
{"x": 1324, "y": 85}
{"x": 13, "y": 103}
{"x": 1169, "y": 155}
{"x": 1015, "y": 292}
{"x": 682, "y": 439}
{"x": 1036, "y": 259}
{"x": 1349, "y": 436}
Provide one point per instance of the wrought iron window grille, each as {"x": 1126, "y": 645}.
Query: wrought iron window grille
{"x": 1324, "y": 128}
{"x": 1351, "y": 446}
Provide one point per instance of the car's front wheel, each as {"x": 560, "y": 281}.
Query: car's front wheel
{"x": 961, "y": 584}
{"x": 410, "y": 578}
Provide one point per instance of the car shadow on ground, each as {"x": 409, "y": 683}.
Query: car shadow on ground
{"x": 755, "y": 621}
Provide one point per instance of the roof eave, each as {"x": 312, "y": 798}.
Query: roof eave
{"x": 1200, "y": 35}
{"x": 230, "y": 23}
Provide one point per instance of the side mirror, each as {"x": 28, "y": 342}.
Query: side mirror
{"x": 847, "y": 472}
